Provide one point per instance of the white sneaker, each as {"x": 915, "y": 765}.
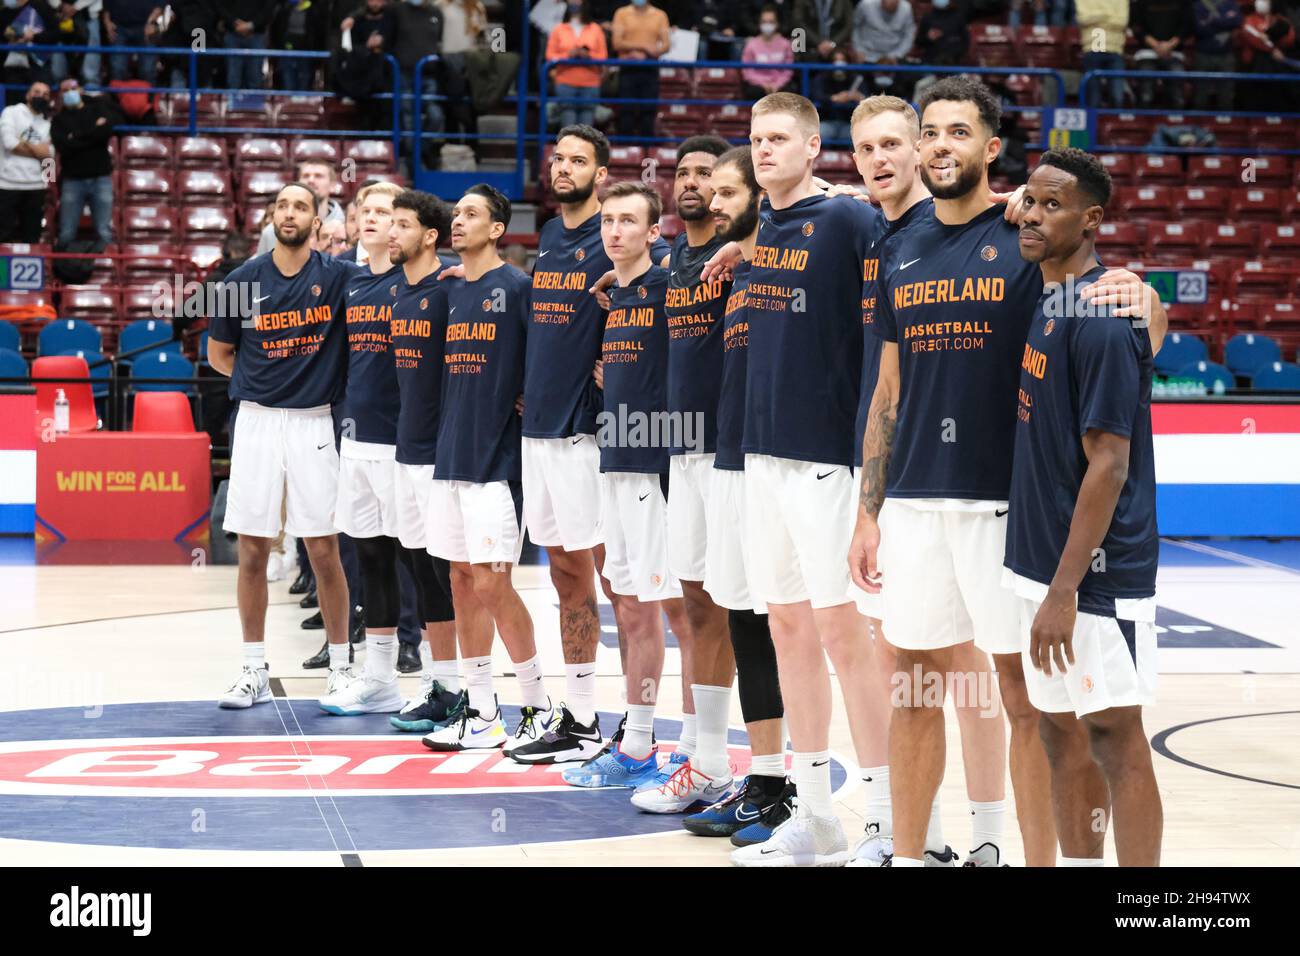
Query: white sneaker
{"x": 276, "y": 567}
{"x": 252, "y": 687}
{"x": 872, "y": 850}
{"x": 803, "y": 840}
{"x": 470, "y": 732}
{"x": 339, "y": 678}
{"x": 426, "y": 685}
{"x": 686, "y": 789}
{"x": 364, "y": 696}
{"x": 533, "y": 723}
{"x": 986, "y": 855}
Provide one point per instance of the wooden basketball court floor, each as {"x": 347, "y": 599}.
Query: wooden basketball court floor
{"x": 110, "y": 638}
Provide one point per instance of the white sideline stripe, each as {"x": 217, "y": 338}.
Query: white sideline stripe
{"x": 1227, "y": 459}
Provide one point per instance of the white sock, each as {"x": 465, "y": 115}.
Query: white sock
{"x": 768, "y": 765}
{"x": 638, "y": 732}
{"x": 688, "y": 743}
{"x": 879, "y": 809}
{"x": 255, "y": 653}
{"x": 445, "y": 673}
{"x": 812, "y": 778}
{"x": 906, "y": 861}
{"x": 532, "y": 691}
{"x": 580, "y": 685}
{"x": 987, "y": 822}
{"x": 478, "y": 681}
{"x": 426, "y": 657}
{"x": 934, "y": 832}
{"x": 381, "y": 657}
{"x": 338, "y": 656}
{"x": 1081, "y": 861}
{"x": 712, "y": 708}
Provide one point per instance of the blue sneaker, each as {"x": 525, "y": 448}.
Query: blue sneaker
{"x": 440, "y": 708}
{"x": 729, "y": 815}
{"x": 664, "y": 773}
{"x": 613, "y": 769}
{"x": 771, "y": 817}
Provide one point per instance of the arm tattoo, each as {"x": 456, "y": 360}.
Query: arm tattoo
{"x": 882, "y": 425}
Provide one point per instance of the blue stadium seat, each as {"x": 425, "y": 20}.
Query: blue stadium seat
{"x": 1215, "y": 377}
{"x": 164, "y": 365}
{"x": 1178, "y": 351}
{"x": 1246, "y": 352}
{"x": 12, "y": 365}
{"x": 100, "y": 374}
{"x": 10, "y": 338}
{"x": 64, "y": 335}
{"x": 1277, "y": 377}
{"x": 145, "y": 332}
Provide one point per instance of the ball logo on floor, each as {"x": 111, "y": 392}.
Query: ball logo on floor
{"x": 286, "y": 776}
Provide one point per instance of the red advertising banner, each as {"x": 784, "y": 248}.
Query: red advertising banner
{"x": 123, "y": 486}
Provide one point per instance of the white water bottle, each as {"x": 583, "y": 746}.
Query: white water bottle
{"x": 61, "y": 414}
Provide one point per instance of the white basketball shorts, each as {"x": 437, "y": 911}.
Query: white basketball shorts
{"x": 688, "y": 496}
{"x": 726, "y": 560}
{"x": 636, "y": 537}
{"x": 367, "y": 503}
{"x": 562, "y": 491}
{"x": 473, "y": 522}
{"x": 412, "y": 486}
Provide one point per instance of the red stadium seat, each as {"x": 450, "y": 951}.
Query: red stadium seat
{"x": 138, "y": 302}
{"x": 1202, "y": 202}
{"x": 1120, "y": 167}
{"x": 81, "y": 400}
{"x": 671, "y": 225}
{"x": 206, "y": 222}
{"x": 370, "y": 152}
{"x": 718, "y": 83}
{"x": 258, "y": 153}
{"x": 254, "y": 218}
{"x": 1124, "y": 129}
{"x": 1147, "y": 202}
{"x": 93, "y": 303}
{"x": 731, "y": 121}
{"x": 250, "y": 111}
{"x": 1281, "y": 322}
{"x": 148, "y": 262}
{"x": 162, "y": 412}
{"x": 259, "y": 185}
{"x": 1214, "y": 170}
{"x": 1281, "y": 242}
{"x": 1173, "y": 240}
{"x": 1153, "y": 168}
{"x": 147, "y": 152}
{"x": 683, "y": 119}
{"x": 1043, "y": 46}
{"x": 1268, "y": 170}
{"x": 175, "y": 108}
{"x": 1257, "y": 205}
{"x": 201, "y": 152}
{"x": 1260, "y": 282}
{"x": 624, "y": 161}
{"x": 993, "y": 44}
{"x": 326, "y": 150}
{"x": 204, "y": 187}
{"x": 1231, "y": 239}
{"x": 204, "y": 255}
{"x": 1272, "y": 132}
{"x": 147, "y": 185}
{"x": 148, "y": 223}
{"x": 1228, "y": 130}
{"x": 1120, "y": 240}
{"x": 676, "y": 83}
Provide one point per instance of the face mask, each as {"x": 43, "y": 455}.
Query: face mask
{"x": 767, "y": 28}
{"x": 1262, "y": 7}
{"x": 40, "y": 104}
{"x": 574, "y": 12}
{"x": 941, "y": 4}
{"x": 11, "y": 4}
{"x": 638, "y": 3}
{"x": 416, "y": 3}
{"x": 72, "y": 98}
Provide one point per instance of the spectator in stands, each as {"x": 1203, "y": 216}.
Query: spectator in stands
{"x": 126, "y": 24}
{"x": 320, "y": 177}
{"x": 81, "y": 132}
{"x": 827, "y": 26}
{"x": 351, "y": 224}
{"x": 69, "y": 26}
{"x": 517, "y": 256}
{"x": 23, "y": 24}
{"x": 87, "y": 64}
{"x": 299, "y": 26}
{"x": 245, "y": 22}
{"x": 769, "y": 47}
{"x": 331, "y": 238}
{"x": 1266, "y": 39}
{"x": 715, "y": 22}
{"x": 578, "y": 37}
{"x": 419, "y": 34}
{"x": 1102, "y": 28}
{"x": 943, "y": 34}
{"x": 1216, "y": 23}
{"x": 883, "y": 33}
{"x": 641, "y": 32}
{"x": 835, "y": 93}
{"x": 24, "y": 149}
{"x": 463, "y": 23}
{"x": 372, "y": 32}
{"x": 192, "y": 21}
{"x": 234, "y": 253}
{"x": 1162, "y": 28}
{"x": 748, "y": 12}
{"x": 1046, "y": 13}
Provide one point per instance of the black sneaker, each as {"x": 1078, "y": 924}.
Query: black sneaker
{"x": 771, "y": 817}
{"x": 567, "y": 741}
{"x": 439, "y": 708}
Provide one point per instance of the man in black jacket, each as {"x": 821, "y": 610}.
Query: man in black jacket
{"x": 300, "y": 26}
{"x": 126, "y": 23}
{"x": 1163, "y": 28}
{"x": 80, "y": 132}
{"x": 419, "y": 33}
{"x": 245, "y": 22}
{"x": 20, "y": 25}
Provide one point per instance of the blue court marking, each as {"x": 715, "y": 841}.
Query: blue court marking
{"x": 1230, "y": 553}
{"x": 325, "y": 820}
{"x": 1185, "y": 631}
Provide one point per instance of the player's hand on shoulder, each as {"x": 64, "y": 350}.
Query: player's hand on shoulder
{"x": 721, "y": 264}
{"x": 599, "y": 288}
{"x": 598, "y": 373}
{"x": 1015, "y": 201}
{"x": 1124, "y": 292}
{"x": 452, "y": 272}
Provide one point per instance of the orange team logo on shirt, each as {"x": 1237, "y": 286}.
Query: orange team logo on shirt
{"x": 1051, "y": 324}
{"x": 392, "y": 289}
{"x": 315, "y": 290}
{"x": 1087, "y": 684}
{"x": 580, "y": 254}
{"x": 988, "y": 253}
{"x": 807, "y": 228}
{"x": 640, "y": 291}
{"x": 487, "y": 305}
{"x": 424, "y": 303}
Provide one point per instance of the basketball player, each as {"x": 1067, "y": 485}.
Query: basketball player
{"x": 1083, "y": 487}
{"x": 366, "y": 507}
{"x": 762, "y": 802}
{"x": 560, "y": 460}
{"x": 939, "y": 447}
{"x": 419, "y": 322}
{"x": 286, "y": 365}
{"x": 472, "y": 519}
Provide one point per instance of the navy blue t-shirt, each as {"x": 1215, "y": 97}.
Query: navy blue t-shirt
{"x": 805, "y": 328}
{"x": 419, "y": 332}
{"x": 290, "y": 350}
{"x": 371, "y": 401}
{"x": 560, "y": 398}
{"x": 694, "y": 311}
{"x": 1082, "y": 370}
{"x": 483, "y": 371}
{"x": 635, "y": 352}
{"x": 731, "y": 401}
{"x": 879, "y": 260}
{"x": 958, "y": 303}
